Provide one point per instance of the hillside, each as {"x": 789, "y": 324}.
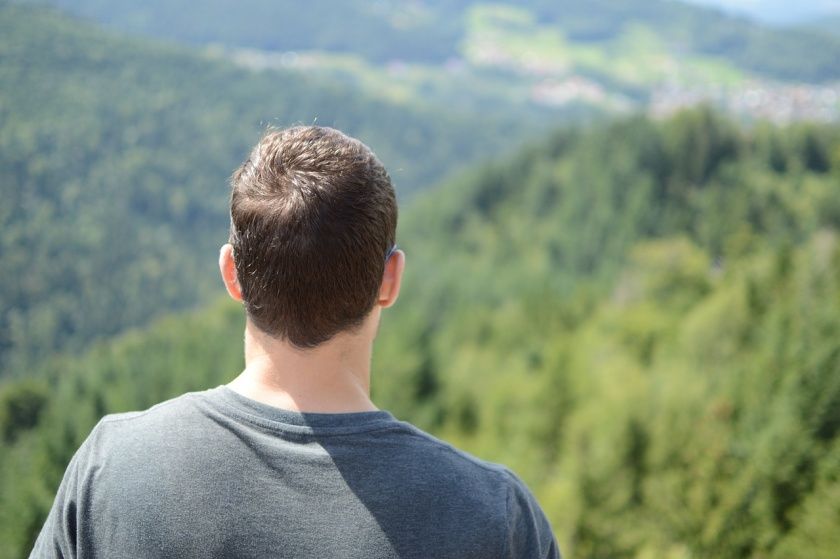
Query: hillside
{"x": 431, "y": 31}
{"x": 527, "y": 58}
{"x": 641, "y": 319}
{"x": 115, "y": 155}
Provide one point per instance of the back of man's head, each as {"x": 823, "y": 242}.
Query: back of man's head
{"x": 313, "y": 217}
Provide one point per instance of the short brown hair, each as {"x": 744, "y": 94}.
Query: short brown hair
{"x": 313, "y": 216}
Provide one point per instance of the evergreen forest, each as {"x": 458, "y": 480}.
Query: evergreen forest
{"x": 639, "y": 316}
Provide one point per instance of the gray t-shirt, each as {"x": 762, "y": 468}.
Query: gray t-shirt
{"x": 216, "y": 474}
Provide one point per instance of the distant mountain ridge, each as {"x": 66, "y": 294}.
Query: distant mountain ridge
{"x": 782, "y": 13}
{"x": 432, "y": 30}
{"x": 828, "y": 24}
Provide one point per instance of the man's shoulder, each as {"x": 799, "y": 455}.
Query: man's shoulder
{"x": 439, "y": 450}
{"x": 157, "y": 421}
{"x": 160, "y": 412}
{"x": 528, "y": 531}
{"x": 434, "y": 463}
{"x": 436, "y": 475}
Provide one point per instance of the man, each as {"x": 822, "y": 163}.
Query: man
{"x": 292, "y": 459}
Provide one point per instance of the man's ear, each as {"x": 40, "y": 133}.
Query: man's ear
{"x": 228, "y": 269}
{"x": 392, "y": 279}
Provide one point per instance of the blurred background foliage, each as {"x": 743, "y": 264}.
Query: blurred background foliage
{"x": 640, "y": 315}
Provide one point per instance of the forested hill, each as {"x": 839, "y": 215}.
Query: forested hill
{"x": 433, "y": 31}
{"x": 115, "y": 155}
{"x": 571, "y": 206}
{"x": 641, "y": 319}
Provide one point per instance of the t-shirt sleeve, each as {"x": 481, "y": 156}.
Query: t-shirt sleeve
{"x": 529, "y": 533}
{"x": 59, "y": 534}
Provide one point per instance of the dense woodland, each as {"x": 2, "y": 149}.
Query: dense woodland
{"x": 641, "y": 319}
{"x": 115, "y": 156}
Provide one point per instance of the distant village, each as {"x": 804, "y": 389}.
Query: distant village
{"x": 555, "y": 85}
{"x": 777, "y": 102}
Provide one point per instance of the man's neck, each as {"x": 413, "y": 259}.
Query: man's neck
{"x": 331, "y": 378}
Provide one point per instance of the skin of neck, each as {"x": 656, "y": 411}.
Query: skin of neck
{"x": 333, "y": 377}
